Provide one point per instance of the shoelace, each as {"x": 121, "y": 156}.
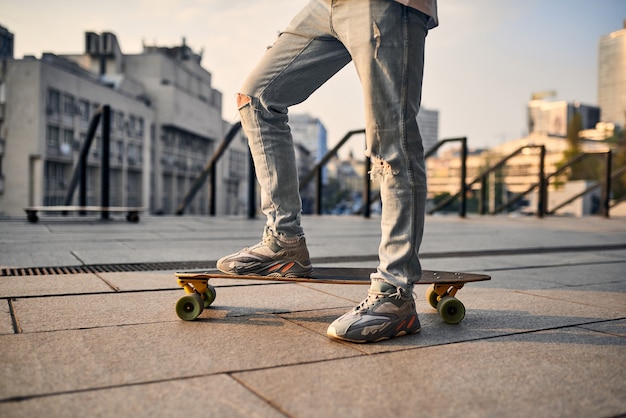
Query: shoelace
{"x": 372, "y": 296}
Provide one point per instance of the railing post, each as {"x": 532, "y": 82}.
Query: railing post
{"x": 213, "y": 186}
{"x": 318, "y": 191}
{"x": 82, "y": 185}
{"x": 606, "y": 190}
{"x": 251, "y": 187}
{"x": 482, "y": 206}
{"x": 541, "y": 204}
{"x": 367, "y": 188}
{"x": 463, "y": 209}
{"x": 105, "y": 161}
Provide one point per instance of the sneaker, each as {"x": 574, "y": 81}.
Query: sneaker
{"x": 387, "y": 312}
{"x": 271, "y": 257}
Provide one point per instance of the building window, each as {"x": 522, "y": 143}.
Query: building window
{"x": 53, "y": 103}
{"x": 68, "y": 104}
{"x": 53, "y": 140}
{"x": 67, "y": 142}
{"x": 119, "y": 122}
{"x": 84, "y": 109}
{"x": 237, "y": 164}
{"x": 140, "y": 128}
{"x": 55, "y": 180}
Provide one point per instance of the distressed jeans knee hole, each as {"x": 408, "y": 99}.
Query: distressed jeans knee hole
{"x": 243, "y": 100}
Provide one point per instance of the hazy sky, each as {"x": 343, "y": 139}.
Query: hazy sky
{"x": 482, "y": 63}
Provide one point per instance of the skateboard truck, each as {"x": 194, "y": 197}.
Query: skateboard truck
{"x": 199, "y": 295}
{"x": 441, "y": 296}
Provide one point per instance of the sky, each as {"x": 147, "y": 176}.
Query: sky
{"x": 483, "y": 62}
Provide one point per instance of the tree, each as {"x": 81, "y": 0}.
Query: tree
{"x": 589, "y": 168}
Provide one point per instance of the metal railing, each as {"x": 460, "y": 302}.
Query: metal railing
{"x": 316, "y": 173}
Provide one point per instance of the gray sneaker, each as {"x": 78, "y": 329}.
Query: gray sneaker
{"x": 271, "y": 257}
{"x": 387, "y": 312}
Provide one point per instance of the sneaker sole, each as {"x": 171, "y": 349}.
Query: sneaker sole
{"x": 402, "y": 333}
{"x": 278, "y": 270}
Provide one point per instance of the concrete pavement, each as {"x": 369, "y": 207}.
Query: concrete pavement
{"x": 546, "y": 337}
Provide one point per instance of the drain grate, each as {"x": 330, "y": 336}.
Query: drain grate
{"x": 106, "y": 268}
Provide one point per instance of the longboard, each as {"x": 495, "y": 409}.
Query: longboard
{"x": 440, "y": 294}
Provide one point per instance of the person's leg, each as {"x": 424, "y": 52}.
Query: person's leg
{"x": 304, "y": 56}
{"x": 389, "y": 58}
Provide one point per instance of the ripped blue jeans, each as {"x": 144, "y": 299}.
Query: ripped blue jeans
{"x": 385, "y": 41}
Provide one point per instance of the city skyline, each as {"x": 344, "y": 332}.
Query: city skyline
{"x": 482, "y": 64}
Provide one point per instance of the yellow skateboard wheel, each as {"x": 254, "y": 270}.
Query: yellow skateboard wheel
{"x": 432, "y": 296}
{"x": 451, "y": 310}
{"x": 189, "y": 307}
{"x": 209, "y": 295}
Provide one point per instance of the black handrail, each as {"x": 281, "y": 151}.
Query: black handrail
{"x": 609, "y": 175}
{"x": 482, "y": 176}
{"x": 79, "y": 175}
{"x": 209, "y": 168}
{"x": 463, "y": 190}
{"x": 316, "y": 172}
{"x": 541, "y": 183}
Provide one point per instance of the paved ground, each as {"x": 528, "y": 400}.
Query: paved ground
{"x": 546, "y": 337}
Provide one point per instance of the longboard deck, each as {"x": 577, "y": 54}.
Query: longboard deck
{"x": 340, "y": 275}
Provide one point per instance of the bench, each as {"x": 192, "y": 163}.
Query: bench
{"x": 132, "y": 213}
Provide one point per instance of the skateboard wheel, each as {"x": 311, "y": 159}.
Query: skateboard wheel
{"x": 209, "y": 295}
{"x": 132, "y": 217}
{"x": 432, "y": 296}
{"x": 451, "y": 310}
{"x": 189, "y": 307}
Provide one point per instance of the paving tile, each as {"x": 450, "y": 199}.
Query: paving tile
{"x": 524, "y": 261}
{"x": 35, "y": 364}
{"x": 141, "y": 280}
{"x": 535, "y": 375}
{"x": 91, "y": 311}
{"x": 211, "y": 396}
{"x": 6, "y": 322}
{"x": 55, "y": 284}
{"x": 614, "y": 302}
{"x": 36, "y": 255}
{"x": 126, "y": 308}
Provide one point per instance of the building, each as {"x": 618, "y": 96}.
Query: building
{"x": 310, "y": 140}
{"x": 612, "y": 77}
{"x": 166, "y": 123}
{"x": 48, "y": 106}
{"x": 428, "y": 122}
{"x": 6, "y": 43}
{"x": 309, "y": 132}
{"x": 553, "y": 117}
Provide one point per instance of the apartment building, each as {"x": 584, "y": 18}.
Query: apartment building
{"x": 165, "y": 125}
{"x": 428, "y": 122}
{"x": 612, "y": 77}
